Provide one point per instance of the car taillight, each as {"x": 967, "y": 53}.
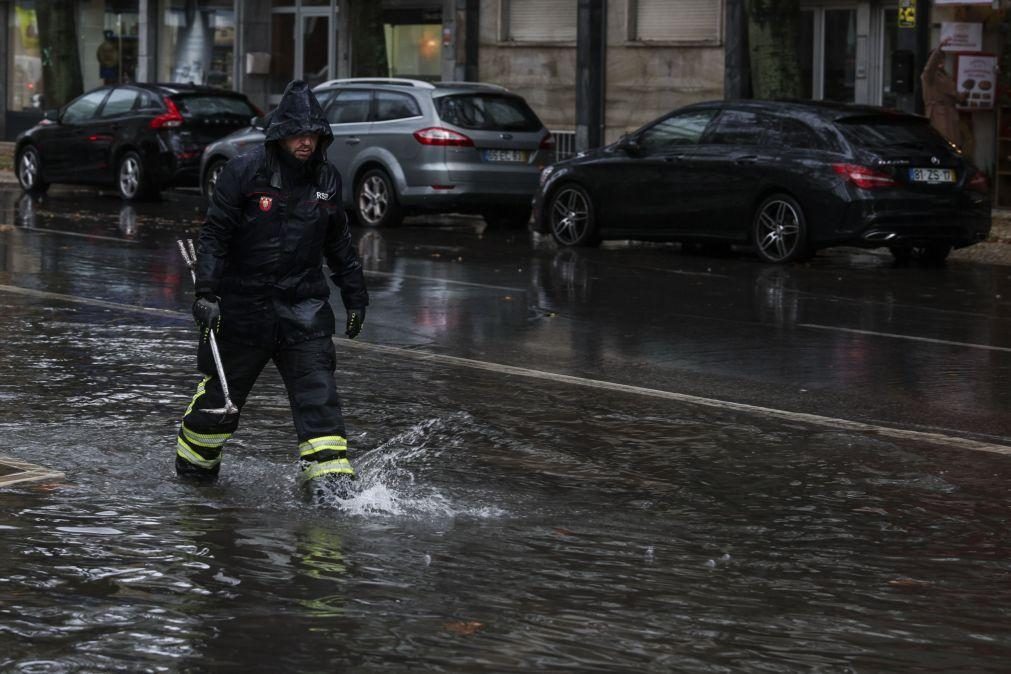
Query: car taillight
{"x": 170, "y": 119}
{"x": 978, "y": 183}
{"x": 435, "y": 135}
{"x": 863, "y": 177}
{"x": 548, "y": 142}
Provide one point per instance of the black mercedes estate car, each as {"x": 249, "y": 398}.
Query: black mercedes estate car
{"x": 786, "y": 177}
{"x": 140, "y": 138}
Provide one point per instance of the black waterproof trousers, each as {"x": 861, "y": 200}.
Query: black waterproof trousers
{"x": 307, "y": 369}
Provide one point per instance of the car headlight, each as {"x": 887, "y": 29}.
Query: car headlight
{"x": 545, "y": 173}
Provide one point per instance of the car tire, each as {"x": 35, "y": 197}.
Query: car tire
{"x": 376, "y": 200}
{"x": 508, "y": 218}
{"x": 131, "y": 178}
{"x": 779, "y": 230}
{"x": 571, "y": 216}
{"x": 211, "y": 176}
{"x": 29, "y": 168}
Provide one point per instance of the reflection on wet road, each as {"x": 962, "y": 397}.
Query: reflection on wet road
{"x": 508, "y": 522}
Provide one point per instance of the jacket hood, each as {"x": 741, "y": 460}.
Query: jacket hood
{"x": 299, "y": 112}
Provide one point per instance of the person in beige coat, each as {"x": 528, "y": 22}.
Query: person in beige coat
{"x": 941, "y": 96}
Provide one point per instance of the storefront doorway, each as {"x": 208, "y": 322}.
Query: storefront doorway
{"x": 303, "y": 44}
{"x": 845, "y": 51}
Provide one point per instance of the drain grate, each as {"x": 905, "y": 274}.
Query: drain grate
{"x": 13, "y": 472}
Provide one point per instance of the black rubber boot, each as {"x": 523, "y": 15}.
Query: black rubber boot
{"x": 332, "y": 486}
{"x": 187, "y": 471}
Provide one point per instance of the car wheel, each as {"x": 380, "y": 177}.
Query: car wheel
{"x": 376, "y": 201}
{"x": 571, "y": 216}
{"x": 130, "y": 178}
{"x": 509, "y": 218}
{"x": 779, "y": 230}
{"x": 211, "y": 176}
{"x": 30, "y": 171}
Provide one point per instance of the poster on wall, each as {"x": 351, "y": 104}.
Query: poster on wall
{"x": 962, "y": 36}
{"x": 976, "y": 81}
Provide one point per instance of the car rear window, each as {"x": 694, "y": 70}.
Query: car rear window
{"x": 212, "y": 106}
{"x": 888, "y": 131}
{"x": 487, "y": 112}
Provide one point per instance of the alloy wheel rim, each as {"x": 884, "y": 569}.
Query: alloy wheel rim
{"x": 570, "y": 216}
{"x": 778, "y": 230}
{"x": 374, "y": 199}
{"x": 129, "y": 176}
{"x": 29, "y": 169}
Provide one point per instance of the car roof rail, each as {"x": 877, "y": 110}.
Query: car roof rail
{"x": 474, "y": 85}
{"x": 394, "y": 81}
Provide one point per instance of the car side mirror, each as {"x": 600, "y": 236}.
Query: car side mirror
{"x": 51, "y": 115}
{"x": 258, "y": 122}
{"x": 630, "y": 146}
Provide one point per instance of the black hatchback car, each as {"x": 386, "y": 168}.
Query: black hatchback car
{"x": 787, "y": 177}
{"x": 141, "y": 138}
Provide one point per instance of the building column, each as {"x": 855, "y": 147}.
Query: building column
{"x": 5, "y": 13}
{"x": 147, "y": 41}
{"x": 591, "y": 60}
{"x": 253, "y": 35}
{"x": 737, "y": 68}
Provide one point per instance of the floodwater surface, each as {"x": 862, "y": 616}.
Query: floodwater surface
{"x": 501, "y": 522}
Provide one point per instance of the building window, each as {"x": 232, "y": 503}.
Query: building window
{"x": 106, "y": 49}
{"x": 682, "y": 21}
{"x": 196, "y": 43}
{"x": 539, "y": 20}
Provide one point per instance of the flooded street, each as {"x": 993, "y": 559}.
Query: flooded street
{"x": 625, "y": 459}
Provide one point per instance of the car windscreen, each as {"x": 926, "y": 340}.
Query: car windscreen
{"x": 487, "y": 112}
{"x": 888, "y": 131}
{"x": 211, "y": 105}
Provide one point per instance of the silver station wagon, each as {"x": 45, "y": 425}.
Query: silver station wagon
{"x": 407, "y": 146}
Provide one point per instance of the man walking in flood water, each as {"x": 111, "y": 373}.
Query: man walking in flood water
{"x": 275, "y": 214}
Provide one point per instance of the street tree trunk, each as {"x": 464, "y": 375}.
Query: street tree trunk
{"x": 773, "y": 27}
{"x": 368, "y": 40}
{"x": 61, "y": 64}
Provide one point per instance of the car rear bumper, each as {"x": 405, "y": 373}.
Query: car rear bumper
{"x": 960, "y": 220}
{"x": 469, "y": 196}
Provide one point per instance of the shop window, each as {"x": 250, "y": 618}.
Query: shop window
{"x": 539, "y": 20}
{"x": 196, "y": 42}
{"x": 688, "y": 21}
{"x": 108, "y": 34}
{"x": 25, "y": 70}
{"x": 414, "y": 50}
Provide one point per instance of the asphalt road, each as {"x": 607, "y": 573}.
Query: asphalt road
{"x": 621, "y": 459}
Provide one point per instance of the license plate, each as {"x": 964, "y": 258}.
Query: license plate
{"x": 505, "y": 155}
{"x": 932, "y": 175}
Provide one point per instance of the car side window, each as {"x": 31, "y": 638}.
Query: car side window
{"x": 738, "y": 127}
{"x": 349, "y": 107}
{"x": 120, "y": 101}
{"x": 391, "y": 105}
{"x": 148, "y": 101}
{"x": 675, "y": 131}
{"x": 84, "y": 107}
{"x": 798, "y": 135}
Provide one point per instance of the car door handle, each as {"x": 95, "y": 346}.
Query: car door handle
{"x": 749, "y": 159}
{"x": 674, "y": 157}
{"x": 353, "y": 140}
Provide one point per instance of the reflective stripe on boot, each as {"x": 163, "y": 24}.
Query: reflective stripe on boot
{"x": 326, "y": 455}
{"x": 202, "y": 450}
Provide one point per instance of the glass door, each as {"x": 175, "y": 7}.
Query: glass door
{"x": 316, "y": 49}
{"x": 828, "y": 53}
{"x": 303, "y": 44}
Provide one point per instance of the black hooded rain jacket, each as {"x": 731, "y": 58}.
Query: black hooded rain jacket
{"x": 268, "y": 231}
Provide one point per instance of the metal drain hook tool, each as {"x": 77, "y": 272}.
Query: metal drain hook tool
{"x": 189, "y": 254}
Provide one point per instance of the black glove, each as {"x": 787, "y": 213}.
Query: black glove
{"x": 356, "y": 318}
{"x": 207, "y": 314}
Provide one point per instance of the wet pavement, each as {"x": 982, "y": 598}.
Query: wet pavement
{"x": 625, "y": 459}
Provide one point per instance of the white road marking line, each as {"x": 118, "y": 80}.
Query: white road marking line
{"x": 443, "y": 280}
{"x": 913, "y": 338}
{"x": 940, "y": 439}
